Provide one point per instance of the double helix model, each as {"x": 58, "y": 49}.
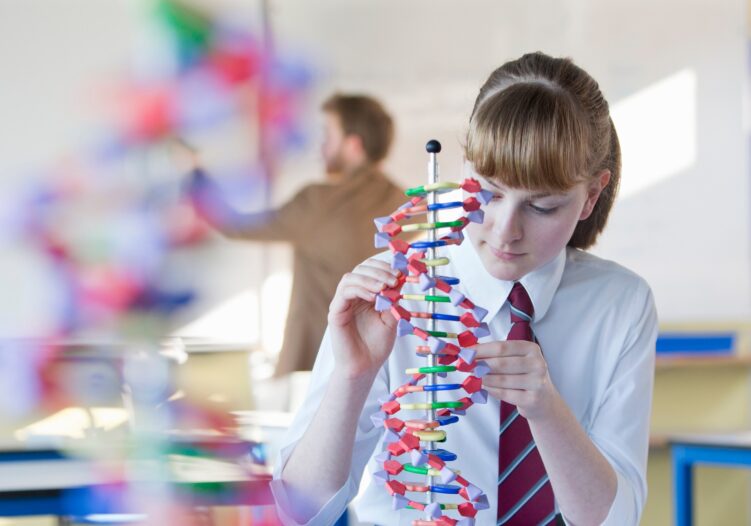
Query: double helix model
{"x": 444, "y": 351}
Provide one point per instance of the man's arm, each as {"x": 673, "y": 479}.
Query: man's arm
{"x": 267, "y": 225}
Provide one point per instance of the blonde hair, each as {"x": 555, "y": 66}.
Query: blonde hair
{"x": 542, "y": 123}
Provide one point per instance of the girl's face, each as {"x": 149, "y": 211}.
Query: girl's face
{"x": 524, "y": 229}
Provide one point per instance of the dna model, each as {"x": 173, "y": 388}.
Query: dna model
{"x": 444, "y": 351}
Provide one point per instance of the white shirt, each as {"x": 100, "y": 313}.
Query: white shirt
{"x": 597, "y": 326}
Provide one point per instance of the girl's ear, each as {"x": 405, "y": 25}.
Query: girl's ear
{"x": 594, "y": 189}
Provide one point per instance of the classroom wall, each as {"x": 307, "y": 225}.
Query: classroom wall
{"x": 674, "y": 72}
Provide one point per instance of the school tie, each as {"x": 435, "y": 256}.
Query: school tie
{"x": 525, "y": 497}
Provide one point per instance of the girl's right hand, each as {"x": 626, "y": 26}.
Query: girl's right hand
{"x": 361, "y": 337}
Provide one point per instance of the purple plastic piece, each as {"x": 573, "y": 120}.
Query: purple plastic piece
{"x": 482, "y": 502}
{"x": 399, "y": 502}
{"x": 408, "y": 204}
{"x": 382, "y": 303}
{"x": 473, "y": 491}
{"x": 433, "y": 510}
{"x": 484, "y": 196}
{"x": 383, "y": 456}
{"x": 476, "y": 216}
{"x": 381, "y": 476}
{"x": 381, "y": 222}
{"x": 391, "y": 436}
{"x": 468, "y": 355}
{"x": 466, "y": 521}
{"x": 456, "y": 297}
{"x": 381, "y": 240}
{"x": 481, "y": 331}
{"x": 404, "y": 328}
{"x": 447, "y": 475}
{"x": 481, "y": 369}
{"x": 436, "y": 344}
{"x": 426, "y": 282}
{"x": 378, "y": 418}
{"x": 479, "y": 313}
{"x": 418, "y": 458}
{"x": 479, "y": 397}
{"x": 455, "y": 235}
{"x": 386, "y": 398}
{"x": 399, "y": 262}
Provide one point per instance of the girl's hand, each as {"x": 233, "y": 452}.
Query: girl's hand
{"x": 518, "y": 375}
{"x": 361, "y": 337}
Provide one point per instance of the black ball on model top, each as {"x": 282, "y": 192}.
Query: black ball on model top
{"x": 433, "y": 146}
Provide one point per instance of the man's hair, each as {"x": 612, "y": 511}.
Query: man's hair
{"x": 542, "y": 123}
{"x": 365, "y": 117}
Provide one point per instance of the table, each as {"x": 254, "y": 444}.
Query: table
{"x": 732, "y": 449}
{"x": 46, "y": 482}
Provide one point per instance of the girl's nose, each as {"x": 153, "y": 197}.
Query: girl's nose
{"x": 507, "y": 225}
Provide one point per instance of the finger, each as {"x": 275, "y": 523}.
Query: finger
{"x": 374, "y": 282}
{"x": 503, "y": 348}
{"x": 347, "y": 295}
{"x": 510, "y": 396}
{"x": 384, "y": 274}
{"x": 512, "y": 364}
{"x": 523, "y": 382}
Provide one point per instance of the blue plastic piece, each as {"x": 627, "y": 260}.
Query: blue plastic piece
{"x": 450, "y": 204}
{"x": 446, "y": 317}
{"x": 444, "y": 488}
{"x": 446, "y": 420}
{"x": 441, "y": 387}
{"x": 427, "y": 244}
{"x": 446, "y": 456}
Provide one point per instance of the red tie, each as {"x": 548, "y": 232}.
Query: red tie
{"x": 525, "y": 497}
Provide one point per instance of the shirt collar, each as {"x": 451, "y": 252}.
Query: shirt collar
{"x": 491, "y": 293}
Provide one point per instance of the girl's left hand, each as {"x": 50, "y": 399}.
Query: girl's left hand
{"x": 518, "y": 375}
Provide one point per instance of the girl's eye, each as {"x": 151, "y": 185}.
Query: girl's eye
{"x": 543, "y": 210}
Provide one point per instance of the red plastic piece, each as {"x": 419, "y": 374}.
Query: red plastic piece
{"x": 464, "y": 221}
{"x": 421, "y": 333}
{"x": 467, "y": 510}
{"x": 466, "y": 304}
{"x": 395, "y": 423}
{"x": 417, "y": 267}
{"x": 392, "y": 229}
{"x": 467, "y": 339}
{"x": 471, "y": 185}
{"x": 399, "y": 245}
{"x": 466, "y": 403}
{"x": 393, "y": 467}
{"x": 471, "y": 204}
{"x": 410, "y": 442}
{"x": 450, "y": 349}
{"x": 445, "y": 521}
{"x": 446, "y": 360}
{"x": 464, "y": 367}
{"x": 394, "y": 486}
{"x": 468, "y": 319}
{"x": 398, "y": 215}
{"x": 442, "y": 286}
{"x": 391, "y": 407}
{"x": 435, "y": 462}
{"x": 400, "y": 313}
{"x": 392, "y": 294}
{"x": 471, "y": 384}
{"x": 396, "y": 449}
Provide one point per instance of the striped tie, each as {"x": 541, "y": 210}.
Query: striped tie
{"x": 525, "y": 497}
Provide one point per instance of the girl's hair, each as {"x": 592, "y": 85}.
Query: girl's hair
{"x": 542, "y": 123}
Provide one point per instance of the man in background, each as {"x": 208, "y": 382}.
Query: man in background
{"x": 329, "y": 225}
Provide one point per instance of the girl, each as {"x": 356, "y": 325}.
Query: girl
{"x": 578, "y": 386}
